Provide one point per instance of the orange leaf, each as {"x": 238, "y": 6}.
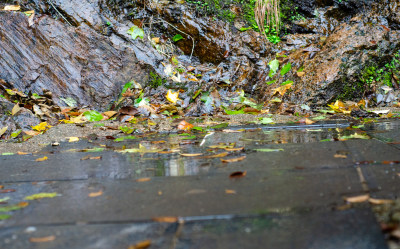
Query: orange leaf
{"x": 166, "y": 219}
{"x": 141, "y": 245}
{"x": 230, "y": 191}
{"x": 356, "y": 199}
{"x": 42, "y": 159}
{"x": 43, "y": 239}
{"x": 96, "y": 194}
{"x": 183, "y": 125}
{"x": 237, "y": 159}
{"x": 234, "y": 149}
{"x": 282, "y": 89}
{"x": 223, "y": 154}
{"x": 189, "y": 155}
{"x": 1, "y": 186}
{"x": 22, "y": 153}
{"x": 23, "y": 204}
{"x": 145, "y": 179}
{"x": 238, "y": 174}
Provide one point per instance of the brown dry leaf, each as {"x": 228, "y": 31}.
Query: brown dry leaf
{"x": 96, "y": 194}
{"x": 166, "y": 219}
{"x": 141, "y": 245}
{"x": 1, "y": 186}
{"x": 223, "y": 154}
{"x": 183, "y": 125}
{"x": 379, "y": 201}
{"x": 357, "y": 199}
{"x": 32, "y": 133}
{"x": 109, "y": 114}
{"x": 10, "y": 190}
{"x": 42, "y": 159}
{"x": 189, "y": 155}
{"x": 238, "y": 174}
{"x": 15, "y": 109}
{"x": 309, "y": 121}
{"x": 301, "y": 74}
{"x": 282, "y": 89}
{"x": 158, "y": 142}
{"x": 12, "y": 7}
{"x": 340, "y": 156}
{"x": 23, "y": 204}
{"x": 234, "y": 149}
{"x": 144, "y": 179}
{"x": 230, "y": 191}
{"x": 232, "y": 160}
{"x": 42, "y": 239}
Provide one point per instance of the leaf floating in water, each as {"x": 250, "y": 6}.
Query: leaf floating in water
{"x": 223, "y": 154}
{"x": 232, "y": 160}
{"x": 166, "y": 219}
{"x": 238, "y": 174}
{"x": 42, "y": 159}
{"x": 234, "y": 149}
{"x": 41, "y": 196}
{"x": 183, "y": 125}
{"x": 141, "y": 245}
{"x": 96, "y": 194}
{"x": 42, "y": 239}
{"x": 357, "y": 199}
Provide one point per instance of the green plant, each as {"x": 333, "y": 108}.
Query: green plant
{"x": 267, "y": 15}
{"x": 156, "y": 80}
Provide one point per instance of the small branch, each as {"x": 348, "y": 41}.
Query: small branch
{"x": 62, "y": 16}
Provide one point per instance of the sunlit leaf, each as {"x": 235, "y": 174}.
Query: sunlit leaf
{"x": 230, "y": 191}
{"x": 41, "y": 196}
{"x": 15, "y": 109}
{"x": 16, "y": 133}
{"x": 172, "y": 96}
{"x": 223, "y": 154}
{"x": 183, "y": 125}
{"x": 380, "y": 201}
{"x": 355, "y": 136}
{"x": 12, "y": 7}
{"x": 3, "y": 130}
{"x": 41, "y": 127}
{"x": 166, "y": 219}
{"x": 177, "y": 37}
{"x": 266, "y": 121}
{"x": 42, "y": 159}
{"x": 136, "y": 32}
{"x": 286, "y": 68}
{"x": 73, "y": 139}
{"x": 191, "y": 155}
{"x": 7, "y": 154}
{"x": 96, "y": 149}
{"x": 288, "y": 82}
{"x": 270, "y": 82}
{"x": 274, "y": 66}
{"x": 268, "y": 150}
{"x": 93, "y": 116}
{"x": 126, "y": 129}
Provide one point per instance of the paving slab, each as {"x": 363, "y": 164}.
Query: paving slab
{"x": 124, "y": 200}
{"x": 372, "y": 150}
{"x": 383, "y": 180}
{"x": 88, "y": 236}
{"x": 355, "y": 229}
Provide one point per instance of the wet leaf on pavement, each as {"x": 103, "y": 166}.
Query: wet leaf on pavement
{"x": 42, "y": 159}
{"x": 9, "y": 190}
{"x": 144, "y": 179}
{"x": 268, "y": 150}
{"x": 141, "y": 245}
{"x": 230, "y": 191}
{"x": 42, "y": 239}
{"x": 73, "y": 139}
{"x": 379, "y": 201}
{"x": 41, "y": 196}
{"x": 354, "y": 136}
{"x": 232, "y": 160}
{"x": 357, "y": 199}
{"x": 96, "y": 194}
{"x": 166, "y": 219}
{"x": 191, "y": 155}
{"x": 238, "y": 174}
{"x": 223, "y": 154}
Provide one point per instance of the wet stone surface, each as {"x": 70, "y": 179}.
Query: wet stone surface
{"x": 289, "y": 189}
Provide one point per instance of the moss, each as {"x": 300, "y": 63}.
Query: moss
{"x": 156, "y": 80}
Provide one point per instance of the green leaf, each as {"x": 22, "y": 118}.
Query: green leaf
{"x": 234, "y": 112}
{"x": 69, "y": 101}
{"x": 141, "y": 101}
{"x": 93, "y": 116}
{"x": 198, "y": 128}
{"x": 4, "y": 216}
{"x": 286, "y": 68}
{"x": 326, "y": 140}
{"x": 189, "y": 137}
{"x": 120, "y": 139}
{"x": 287, "y": 82}
{"x": 274, "y": 66}
{"x": 270, "y": 82}
{"x": 266, "y": 121}
{"x": 136, "y": 32}
{"x": 2, "y": 96}
{"x": 126, "y": 129}
{"x": 220, "y": 126}
{"x": 126, "y": 87}
{"x": 319, "y": 118}
{"x": 36, "y": 96}
{"x": 244, "y": 29}
{"x": 177, "y": 37}
{"x": 268, "y": 150}
{"x": 41, "y": 196}
{"x": 7, "y": 154}
{"x": 10, "y": 208}
{"x": 4, "y": 199}
{"x": 96, "y": 149}
{"x": 15, "y": 133}
{"x": 357, "y": 126}
{"x": 99, "y": 125}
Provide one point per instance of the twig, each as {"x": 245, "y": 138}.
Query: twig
{"x": 62, "y": 16}
{"x": 182, "y": 33}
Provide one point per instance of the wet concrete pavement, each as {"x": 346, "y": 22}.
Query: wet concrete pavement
{"x": 290, "y": 194}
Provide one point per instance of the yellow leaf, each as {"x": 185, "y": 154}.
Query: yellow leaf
{"x": 109, "y": 114}
{"x": 282, "y": 89}
{"x": 172, "y": 96}
{"x": 42, "y": 159}
{"x": 96, "y": 194}
{"x": 77, "y": 120}
{"x": 141, "y": 245}
{"x": 237, "y": 159}
{"x": 144, "y": 179}
{"x": 3, "y": 130}
{"x": 15, "y": 109}
{"x": 41, "y": 196}
{"x": 73, "y": 139}
{"x": 12, "y": 7}
{"x": 230, "y": 191}
{"x": 41, "y": 127}
{"x": 356, "y": 199}
{"x": 301, "y": 74}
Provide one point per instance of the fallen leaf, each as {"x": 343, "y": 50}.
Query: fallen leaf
{"x": 233, "y": 131}
{"x": 237, "y": 159}
{"x": 309, "y": 121}
{"x": 141, "y": 245}
{"x": 5, "y": 216}
{"x": 190, "y": 155}
{"x": 238, "y": 174}
{"x": 41, "y": 196}
{"x": 42, "y": 159}
{"x": 301, "y": 74}
{"x": 91, "y": 158}
{"x": 223, "y": 154}
{"x": 110, "y": 114}
{"x": 340, "y": 156}
{"x": 15, "y": 109}
{"x": 22, "y": 153}
{"x": 3, "y": 130}
{"x": 166, "y": 219}
{"x": 268, "y": 150}
{"x": 282, "y": 89}
{"x": 379, "y": 201}
{"x": 12, "y": 7}
{"x": 144, "y": 179}
{"x": 31, "y": 133}
{"x": 23, "y": 204}
{"x": 230, "y": 191}
{"x": 183, "y": 125}
{"x": 73, "y": 139}
{"x": 96, "y": 194}
{"x": 357, "y": 199}
{"x": 42, "y": 239}
{"x": 41, "y": 127}
{"x": 234, "y": 149}
{"x": 172, "y": 96}
{"x": 1, "y": 186}
{"x": 3, "y": 191}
